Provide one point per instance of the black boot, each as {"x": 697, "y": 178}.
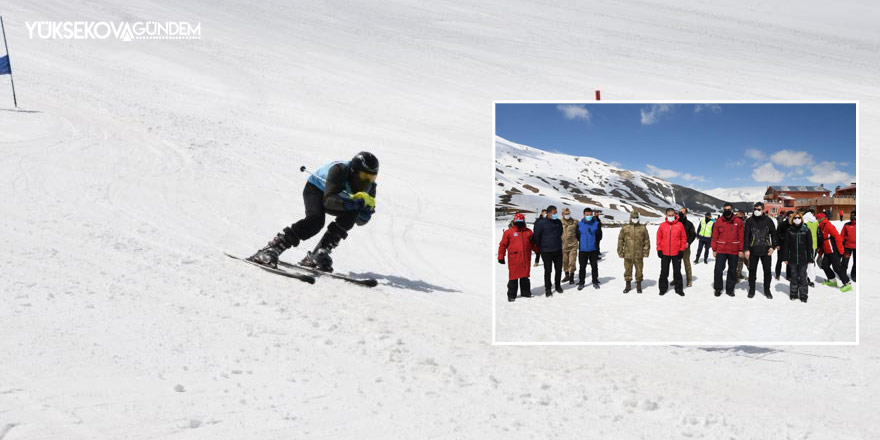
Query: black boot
{"x": 571, "y": 278}
{"x": 638, "y": 287}
{"x": 628, "y": 287}
{"x": 768, "y": 294}
{"x": 268, "y": 256}
{"x": 320, "y": 257}
{"x": 558, "y": 288}
{"x": 565, "y": 278}
{"x": 751, "y": 292}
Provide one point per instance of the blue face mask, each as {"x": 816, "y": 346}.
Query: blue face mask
{"x": 589, "y": 217}
{"x": 555, "y": 216}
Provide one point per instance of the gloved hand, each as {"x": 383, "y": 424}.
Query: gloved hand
{"x": 680, "y": 254}
{"x": 364, "y": 215}
{"x": 501, "y": 261}
{"x": 659, "y": 254}
{"x": 369, "y": 201}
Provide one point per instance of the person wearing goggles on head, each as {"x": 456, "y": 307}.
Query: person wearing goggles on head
{"x": 343, "y": 189}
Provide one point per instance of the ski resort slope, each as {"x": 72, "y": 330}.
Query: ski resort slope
{"x": 607, "y": 315}
{"x": 135, "y": 164}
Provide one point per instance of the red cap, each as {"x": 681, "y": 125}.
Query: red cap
{"x": 519, "y": 217}
{"x": 820, "y": 216}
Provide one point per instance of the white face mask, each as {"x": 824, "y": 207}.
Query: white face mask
{"x": 633, "y": 220}
{"x": 671, "y": 218}
{"x": 758, "y": 212}
{"x": 797, "y": 221}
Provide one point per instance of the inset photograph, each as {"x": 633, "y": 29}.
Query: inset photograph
{"x": 675, "y": 223}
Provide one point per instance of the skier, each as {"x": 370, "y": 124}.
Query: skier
{"x": 569, "y": 245}
{"x": 832, "y": 250}
{"x": 849, "y": 244}
{"x": 344, "y": 189}
{"x": 813, "y": 226}
{"x": 538, "y": 220}
{"x": 588, "y": 234}
{"x": 517, "y": 244}
{"x": 548, "y": 237}
{"x": 760, "y": 240}
{"x": 705, "y": 237}
{"x": 633, "y": 246}
{"x": 691, "y": 236}
{"x": 798, "y": 248}
{"x": 727, "y": 246}
{"x": 780, "y": 232}
{"x": 671, "y": 243}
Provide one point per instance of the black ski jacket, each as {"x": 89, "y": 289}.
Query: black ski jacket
{"x": 689, "y": 228}
{"x": 760, "y": 234}
{"x": 548, "y": 235}
{"x": 797, "y": 245}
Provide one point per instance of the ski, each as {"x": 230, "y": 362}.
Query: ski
{"x": 366, "y": 282}
{"x": 302, "y": 277}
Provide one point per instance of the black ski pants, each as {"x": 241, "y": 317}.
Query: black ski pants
{"x": 779, "y": 264}
{"x": 313, "y": 198}
{"x": 852, "y": 254}
{"x": 765, "y": 266}
{"x": 831, "y": 264}
{"x": 728, "y": 260}
{"x": 799, "y": 285}
{"x": 591, "y": 257}
{"x": 525, "y": 285}
{"x": 707, "y": 241}
{"x": 676, "y": 273}
{"x": 552, "y": 259}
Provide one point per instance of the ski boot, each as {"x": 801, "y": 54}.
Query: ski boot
{"x": 319, "y": 258}
{"x": 268, "y": 256}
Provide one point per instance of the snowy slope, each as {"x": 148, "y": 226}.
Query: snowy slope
{"x": 607, "y": 315}
{"x": 528, "y": 179}
{"x": 748, "y": 194}
{"x": 144, "y": 160}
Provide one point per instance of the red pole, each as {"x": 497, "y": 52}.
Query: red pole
{"x": 597, "y": 95}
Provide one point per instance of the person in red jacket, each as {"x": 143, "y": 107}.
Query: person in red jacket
{"x": 727, "y": 248}
{"x": 832, "y": 249}
{"x": 849, "y": 244}
{"x": 517, "y": 244}
{"x": 671, "y": 243}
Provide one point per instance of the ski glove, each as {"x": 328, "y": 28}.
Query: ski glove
{"x": 680, "y": 254}
{"x": 369, "y": 201}
{"x": 364, "y": 216}
{"x": 501, "y": 261}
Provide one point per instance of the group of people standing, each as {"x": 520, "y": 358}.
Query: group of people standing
{"x": 802, "y": 240}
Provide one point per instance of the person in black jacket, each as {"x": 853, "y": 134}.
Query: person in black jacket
{"x": 691, "y": 232}
{"x": 781, "y": 226}
{"x": 548, "y": 237}
{"x": 797, "y": 249}
{"x": 535, "y": 228}
{"x": 760, "y": 240}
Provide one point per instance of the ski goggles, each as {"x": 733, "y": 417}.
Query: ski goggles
{"x": 365, "y": 177}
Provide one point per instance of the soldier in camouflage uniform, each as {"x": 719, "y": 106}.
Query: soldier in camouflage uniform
{"x": 569, "y": 245}
{"x": 633, "y": 245}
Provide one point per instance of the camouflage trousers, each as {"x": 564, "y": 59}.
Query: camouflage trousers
{"x": 569, "y": 259}
{"x": 628, "y": 264}
{"x": 687, "y": 263}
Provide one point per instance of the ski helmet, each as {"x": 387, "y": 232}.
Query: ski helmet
{"x": 366, "y": 162}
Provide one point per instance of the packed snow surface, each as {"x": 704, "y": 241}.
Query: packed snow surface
{"x": 137, "y": 163}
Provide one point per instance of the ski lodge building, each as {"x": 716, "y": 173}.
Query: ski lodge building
{"x": 783, "y": 198}
{"x": 837, "y": 207}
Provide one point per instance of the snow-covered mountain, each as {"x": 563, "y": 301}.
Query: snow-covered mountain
{"x": 528, "y": 179}
{"x": 745, "y": 194}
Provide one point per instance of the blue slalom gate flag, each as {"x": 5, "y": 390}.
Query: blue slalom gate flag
{"x": 5, "y": 68}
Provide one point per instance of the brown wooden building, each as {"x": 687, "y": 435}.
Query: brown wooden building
{"x": 784, "y": 198}
{"x": 837, "y": 207}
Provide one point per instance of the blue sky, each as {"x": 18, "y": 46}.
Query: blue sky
{"x": 703, "y": 146}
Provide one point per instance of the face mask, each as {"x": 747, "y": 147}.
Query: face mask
{"x": 757, "y": 212}
{"x": 519, "y": 224}
{"x": 565, "y": 216}
{"x": 589, "y": 217}
{"x": 633, "y": 220}
{"x": 728, "y": 213}
{"x": 682, "y": 215}
{"x": 797, "y": 221}
{"x": 671, "y": 218}
{"x": 555, "y": 216}
{"x": 852, "y": 217}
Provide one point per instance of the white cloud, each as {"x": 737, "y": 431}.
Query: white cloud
{"x": 790, "y": 158}
{"x": 653, "y": 113}
{"x": 735, "y": 163}
{"x": 574, "y": 111}
{"x": 669, "y": 174}
{"x": 767, "y": 173}
{"x": 714, "y": 108}
{"x": 827, "y": 172}
{"x": 755, "y": 154}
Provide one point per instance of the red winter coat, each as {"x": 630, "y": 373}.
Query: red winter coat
{"x": 671, "y": 238}
{"x": 849, "y": 235}
{"x": 517, "y": 243}
{"x": 727, "y": 235}
{"x": 829, "y": 233}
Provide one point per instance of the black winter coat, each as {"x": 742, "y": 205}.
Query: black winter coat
{"x": 760, "y": 234}
{"x": 548, "y": 235}
{"x": 797, "y": 245}
{"x": 689, "y": 229}
{"x": 780, "y": 233}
